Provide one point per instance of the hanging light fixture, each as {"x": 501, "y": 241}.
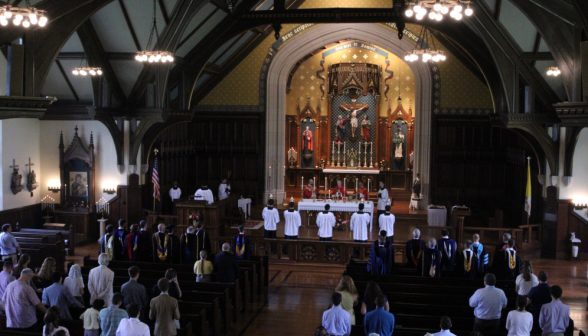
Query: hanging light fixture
{"x": 436, "y": 9}
{"x": 553, "y": 71}
{"x": 84, "y": 71}
{"x": 154, "y": 56}
{"x": 426, "y": 55}
{"x": 25, "y": 16}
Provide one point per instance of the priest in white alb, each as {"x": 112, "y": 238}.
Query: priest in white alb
{"x": 175, "y": 193}
{"x": 359, "y": 225}
{"x": 293, "y": 222}
{"x": 224, "y": 190}
{"x": 382, "y": 199}
{"x": 386, "y": 222}
{"x": 325, "y": 221}
{"x": 271, "y": 218}
{"x": 204, "y": 194}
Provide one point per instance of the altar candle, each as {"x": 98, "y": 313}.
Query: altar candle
{"x": 270, "y": 171}
{"x": 368, "y": 191}
{"x": 325, "y": 187}
{"x": 344, "y": 187}
{"x": 302, "y": 185}
{"x": 356, "y": 186}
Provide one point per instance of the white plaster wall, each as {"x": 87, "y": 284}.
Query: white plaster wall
{"x": 578, "y": 190}
{"x": 20, "y": 140}
{"x": 107, "y": 174}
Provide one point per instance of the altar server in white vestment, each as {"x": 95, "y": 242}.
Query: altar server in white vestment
{"x": 204, "y": 194}
{"x": 175, "y": 193}
{"x": 224, "y": 190}
{"x": 359, "y": 225}
{"x": 271, "y": 217}
{"x": 382, "y": 200}
{"x": 386, "y": 222}
{"x": 325, "y": 221}
{"x": 293, "y": 222}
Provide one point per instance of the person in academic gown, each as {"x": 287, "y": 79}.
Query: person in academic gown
{"x": 414, "y": 249}
{"x": 175, "y": 246}
{"x": 174, "y": 194}
{"x": 482, "y": 256}
{"x": 162, "y": 249}
{"x": 362, "y": 192}
{"x": 104, "y": 241}
{"x": 325, "y": 221}
{"x": 448, "y": 249}
{"x": 430, "y": 262}
{"x": 224, "y": 190}
{"x": 386, "y": 223}
{"x": 359, "y": 225}
{"x": 293, "y": 222}
{"x": 202, "y": 239}
{"x": 501, "y": 247}
{"x": 204, "y": 194}
{"x": 309, "y": 190}
{"x": 508, "y": 264}
{"x": 145, "y": 248}
{"x": 188, "y": 247}
{"x": 381, "y": 258}
{"x": 241, "y": 245}
{"x": 132, "y": 243}
{"x": 119, "y": 240}
{"x": 466, "y": 262}
{"x": 382, "y": 199}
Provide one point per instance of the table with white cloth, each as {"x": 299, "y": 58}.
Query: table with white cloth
{"x": 309, "y": 205}
{"x": 245, "y": 205}
{"x": 437, "y": 217}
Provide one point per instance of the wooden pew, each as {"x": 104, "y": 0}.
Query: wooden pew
{"x": 67, "y": 236}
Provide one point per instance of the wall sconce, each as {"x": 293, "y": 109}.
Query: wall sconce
{"x": 553, "y": 71}
{"x": 109, "y": 191}
{"x": 54, "y": 186}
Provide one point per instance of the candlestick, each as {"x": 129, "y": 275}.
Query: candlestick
{"x": 338, "y": 164}
{"x": 368, "y": 191}
{"x": 356, "y": 187}
{"x": 371, "y": 155}
{"x": 270, "y": 171}
{"x": 332, "y": 155}
{"x": 344, "y": 151}
{"x": 359, "y": 156}
{"x": 325, "y": 187}
{"x": 344, "y": 187}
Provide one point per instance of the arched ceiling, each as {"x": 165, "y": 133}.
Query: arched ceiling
{"x": 122, "y": 28}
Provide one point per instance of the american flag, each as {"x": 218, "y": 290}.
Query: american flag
{"x": 155, "y": 180}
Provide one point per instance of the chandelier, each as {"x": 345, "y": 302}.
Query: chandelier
{"x": 26, "y": 16}
{"x": 426, "y": 55}
{"x": 154, "y": 56}
{"x": 553, "y": 71}
{"x": 436, "y": 9}
{"x": 84, "y": 71}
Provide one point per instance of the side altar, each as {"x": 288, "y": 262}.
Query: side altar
{"x": 356, "y": 141}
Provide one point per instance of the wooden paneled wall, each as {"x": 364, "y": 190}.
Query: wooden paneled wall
{"x": 29, "y": 216}
{"x": 205, "y": 150}
{"x": 560, "y": 221}
{"x": 484, "y": 167}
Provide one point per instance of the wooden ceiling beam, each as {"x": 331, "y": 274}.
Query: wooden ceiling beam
{"x": 64, "y": 74}
{"x": 123, "y": 8}
{"x": 163, "y": 11}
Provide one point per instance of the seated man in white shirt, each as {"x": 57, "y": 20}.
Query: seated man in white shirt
{"x": 445, "y": 325}
{"x": 132, "y": 326}
{"x": 204, "y": 194}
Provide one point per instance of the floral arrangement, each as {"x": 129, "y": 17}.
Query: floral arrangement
{"x": 322, "y": 161}
{"x": 383, "y": 163}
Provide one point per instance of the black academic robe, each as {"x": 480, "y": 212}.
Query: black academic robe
{"x": 414, "y": 249}
{"x": 466, "y": 264}
{"x": 508, "y": 265}
{"x": 118, "y": 244}
{"x": 162, "y": 248}
{"x": 431, "y": 257}
{"x": 188, "y": 248}
{"x": 448, "y": 250}
{"x": 131, "y": 247}
{"x": 175, "y": 249}
{"x": 202, "y": 242}
{"x": 145, "y": 246}
{"x": 242, "y": 247}
{"x": 381, "y": 259}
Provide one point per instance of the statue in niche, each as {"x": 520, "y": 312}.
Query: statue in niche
{"x": 307, "y": 141}
{"x": 365, "y": 129}
{"x": 353, "y": 114}
{"x": 341, "y": 129}
{"x": 398, "y": 140}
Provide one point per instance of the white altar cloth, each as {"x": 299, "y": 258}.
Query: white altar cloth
{"x": 437, "y": 217}
{"x": 309, "y": 205}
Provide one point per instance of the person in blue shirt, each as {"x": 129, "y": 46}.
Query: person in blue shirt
{"x": 336, "y": 320}
{"x": 481, "y": 254}
{"x": 379, "y": 321}
{"x": 488, "y": 303}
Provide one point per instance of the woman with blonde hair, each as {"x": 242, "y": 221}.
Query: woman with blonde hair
{"x": 526, "y": 280}
{"x": 44, "y": 276}
{"x": 346, "y": 288}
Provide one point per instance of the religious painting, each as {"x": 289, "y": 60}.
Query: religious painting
{"x": 399, "y": 136}
{"x": 307, "y": 143}
{"x": 78, "y": 182}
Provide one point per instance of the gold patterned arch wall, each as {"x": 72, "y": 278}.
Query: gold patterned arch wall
{"x": 306, "y": 82}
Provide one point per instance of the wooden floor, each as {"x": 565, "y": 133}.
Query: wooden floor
{"x": 299, "y": 293}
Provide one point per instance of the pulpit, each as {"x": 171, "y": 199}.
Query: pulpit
{"x": 210, "y": 215}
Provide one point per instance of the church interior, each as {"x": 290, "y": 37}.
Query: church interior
{"x": 465, "y": 117}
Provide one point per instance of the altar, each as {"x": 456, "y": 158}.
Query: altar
{"x": 339, "y": 206}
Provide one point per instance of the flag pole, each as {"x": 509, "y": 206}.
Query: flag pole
{"x": 528, "y": 181}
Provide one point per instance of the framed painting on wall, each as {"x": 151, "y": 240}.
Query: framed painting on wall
{"x": 78, "y": 180}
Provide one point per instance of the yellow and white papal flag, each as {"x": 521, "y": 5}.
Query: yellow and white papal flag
{"x": 528, "y": 192}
